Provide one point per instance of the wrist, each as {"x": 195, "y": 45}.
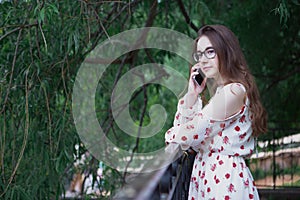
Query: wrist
{"x": 191, "y": 95}
{"x": 190, "y": 99}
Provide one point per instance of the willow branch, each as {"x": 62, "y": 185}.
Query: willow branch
{"x": 98, "y": 34}
{"x": 2, "y": 150}
{"x": 101, "y": 24}
{"x": 141, "y": 39}
{"x": 284, "y": 77}
{"x": 186, "y": 16}
{"x": 49, "y": 117}
{"x": 12, "y": 72}
{"x": 26, "y": 132}
{"x": 17, "y": 29}
{"x": 141, "y": 121}
{"x": 130, "y": 4}
{"x": 43, "y": 36}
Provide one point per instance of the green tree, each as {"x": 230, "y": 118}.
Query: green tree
{"x": 43, "y": 44}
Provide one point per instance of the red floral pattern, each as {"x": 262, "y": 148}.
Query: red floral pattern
{"x": 219, "y": 170}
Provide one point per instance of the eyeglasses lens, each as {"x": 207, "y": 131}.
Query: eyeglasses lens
{"x": 208, "y": 53}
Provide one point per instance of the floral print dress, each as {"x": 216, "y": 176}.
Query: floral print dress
{"x": 219, "y": 171}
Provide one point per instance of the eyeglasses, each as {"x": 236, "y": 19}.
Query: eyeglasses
{"x": 210, "y": 53}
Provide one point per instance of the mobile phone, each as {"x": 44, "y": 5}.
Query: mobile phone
{"x": 199, "y": 77}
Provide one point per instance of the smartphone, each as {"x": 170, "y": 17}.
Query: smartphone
{"x": 199, "y": 77}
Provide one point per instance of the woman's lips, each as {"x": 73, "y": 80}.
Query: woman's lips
{"x": 206, "y": 68}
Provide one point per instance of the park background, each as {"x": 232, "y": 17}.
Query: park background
{"x": 43, "y": 43}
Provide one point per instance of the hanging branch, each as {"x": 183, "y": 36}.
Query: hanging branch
{"x": 284, "y": 77}
{"x": 100, "y": 23}
{"x": 141, "y": 121}
{"x": 139, "y": 41}
{"x": 186, "y": 16}
{"x": 17, "y": 29}
{"x": 12, "y": 71}
{"x": 131, "y": 57}
{"x": 2, "y": 148}
{"x": 98, "y": 34}
{"x": 26, "y": 132}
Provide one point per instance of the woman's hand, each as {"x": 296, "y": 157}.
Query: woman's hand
{"x": 194, "y": 88}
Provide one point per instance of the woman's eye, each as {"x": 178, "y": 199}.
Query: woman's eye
{"x": 210, "y": 51}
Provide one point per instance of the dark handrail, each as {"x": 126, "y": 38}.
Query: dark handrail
{"x": 171, "y": 182}
{"x": 143, "y": 186}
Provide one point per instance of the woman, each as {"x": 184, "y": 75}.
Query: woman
{"x": 223, "y": 131}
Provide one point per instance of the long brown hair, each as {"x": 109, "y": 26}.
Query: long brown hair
{"x": 234, "y": 68}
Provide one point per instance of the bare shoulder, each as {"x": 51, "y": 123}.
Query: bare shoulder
{"x": 228, "y": 101}
{"x": 235, "y": 90}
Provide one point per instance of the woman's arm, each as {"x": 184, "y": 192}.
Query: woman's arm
{"x": 207, "y": 122}
{"x": 184, "y": 113}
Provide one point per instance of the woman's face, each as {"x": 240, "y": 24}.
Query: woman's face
{"x": 209, "y": 66}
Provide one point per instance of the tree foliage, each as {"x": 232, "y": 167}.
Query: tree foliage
{"x": 44, "y": 42}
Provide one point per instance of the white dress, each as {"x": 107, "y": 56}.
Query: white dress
{"x": 219, "y": 171}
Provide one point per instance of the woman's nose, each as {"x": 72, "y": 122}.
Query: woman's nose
{"x": 203, "y": 59}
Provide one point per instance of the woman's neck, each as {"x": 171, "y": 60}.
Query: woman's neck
{"x": 220, "y": 81}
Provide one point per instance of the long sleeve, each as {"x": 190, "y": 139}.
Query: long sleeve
{"x": 191, "y": 127}
{"x": 184, "y": 113}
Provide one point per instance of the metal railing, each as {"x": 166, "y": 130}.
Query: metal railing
{"x": 169, "y": 183}
{"x": 277, "y": 164}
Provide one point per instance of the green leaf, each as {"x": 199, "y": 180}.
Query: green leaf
{"x": 41, "y": 16}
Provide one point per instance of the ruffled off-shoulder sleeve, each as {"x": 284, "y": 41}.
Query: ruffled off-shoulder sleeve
{"x": 192, "y": 127}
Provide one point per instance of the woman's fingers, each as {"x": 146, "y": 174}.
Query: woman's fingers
{"x": 203, "y": 82}
{"x": 196, "y": 67}
{"x": 193, "y": 86}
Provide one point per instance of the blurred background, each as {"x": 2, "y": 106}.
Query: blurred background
{"x": 42, "y": 45}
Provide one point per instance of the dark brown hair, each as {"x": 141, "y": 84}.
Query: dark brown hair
{"x": 234, "y": 68}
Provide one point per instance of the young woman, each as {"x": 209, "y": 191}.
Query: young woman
{"x": 223, "y": 131}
